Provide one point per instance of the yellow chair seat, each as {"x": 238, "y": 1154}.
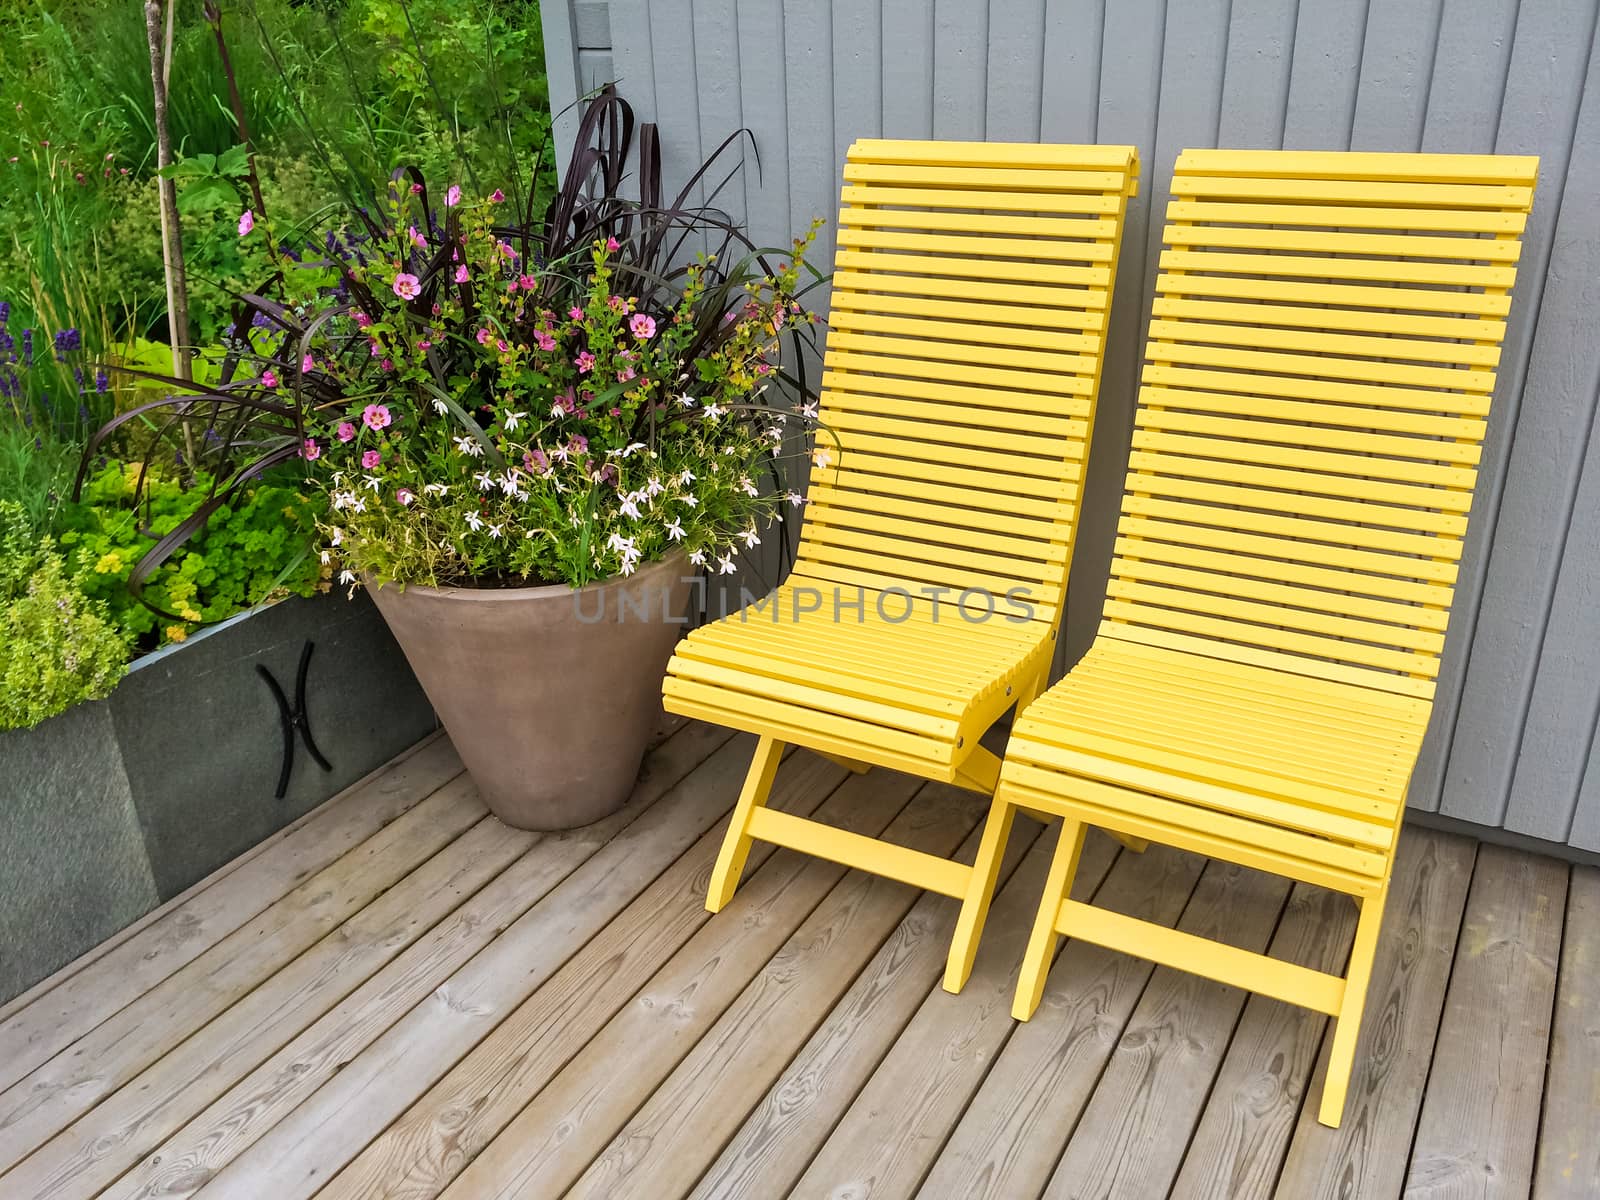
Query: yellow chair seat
{"x": 901, "y": 685}
{"x": 1297, "y": 775}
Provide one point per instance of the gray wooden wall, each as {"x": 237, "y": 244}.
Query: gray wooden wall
{"x": 1514, "y": 737}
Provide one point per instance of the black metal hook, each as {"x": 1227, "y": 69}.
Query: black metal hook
{"x": 294, "y": 718}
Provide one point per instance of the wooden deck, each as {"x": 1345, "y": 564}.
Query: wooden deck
{"x": 399, "y": 997}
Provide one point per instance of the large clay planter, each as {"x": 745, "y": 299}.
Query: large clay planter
{"x": 549, "y": 694}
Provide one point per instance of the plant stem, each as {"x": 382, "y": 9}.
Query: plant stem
{"x": 171, "y": 232}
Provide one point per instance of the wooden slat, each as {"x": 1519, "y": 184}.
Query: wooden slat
{"x": 1442, "y": 220}
{"x": 298, "y": 1154}
{"x": 1336, "y": 166}
{"x": 1157, "y": 1080}
{"x": 1238, "y": 1147}
{"x": 190, "y": 925}
{"x": 232, "y": 1122}
{"x": 1568, "y": 1166}
{"x": 53, "y": 1095}
{"x": 81, "y": 1159}
{"x": 660, "y": 946}
{"x": 1480, "y": 1118}
{"x": 576, "y": 1133}
{"x": 889, "y": 1005}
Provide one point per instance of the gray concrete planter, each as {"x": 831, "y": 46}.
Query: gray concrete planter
{"x": 113, "y": 807}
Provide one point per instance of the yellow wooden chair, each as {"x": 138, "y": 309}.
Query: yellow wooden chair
{"x": 968, "y": 323}
{"x": 1322, "y": 352}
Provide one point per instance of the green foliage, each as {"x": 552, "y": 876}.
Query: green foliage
{"x": 251, "y": 551}
{"x": 57, "y": 646}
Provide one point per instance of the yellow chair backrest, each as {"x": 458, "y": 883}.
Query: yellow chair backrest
{"x": 969, "y": 313}
{"x": 1322, "y": 351}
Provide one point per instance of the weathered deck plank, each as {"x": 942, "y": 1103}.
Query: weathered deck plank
{"x": 569, "y": 1127}
{"x": 1017, "y": 1125}
{"x": 1133, "y": 1133}
{"x": 398, "y": 998}
{"x": 1369, "y": 1153}
{"x": 655, "y": 949}
{"x": 1238, "y": 1149}
{"x": 1480, "y": 1118}
{"x": 52, "y": 1015}
{"x": 1569, "y": 1151}
{"x": 781, "y": 1135}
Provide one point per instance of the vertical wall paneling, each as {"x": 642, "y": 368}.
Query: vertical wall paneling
{"x": 1132, "y": 44}
{"x": 1508, "y": 567}
{"x": 764, "y": 109}
{"x": 1396, "y": 67}
{"x": 858, "y": 54}
{"x": 716, "y": 59}
{"x": 1513, "y": 743}
{"x": 561, "y": 69}
{"x": 1255, "y": 83}
{"x": 1471, "y": 75}
{"x": 1553, "y": 661}
{"x": 673, "y": 52}
{"x": 1014, "y": 78}
{"x": 907, "y": 68}
{"x": 960, "y": 69}
{"x": 1329, "y": 36}
{"x": 1069, "y": 101}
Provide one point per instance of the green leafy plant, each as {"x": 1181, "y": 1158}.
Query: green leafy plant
{"x": 58, "y": 647}
{"x": 255, "y": 549}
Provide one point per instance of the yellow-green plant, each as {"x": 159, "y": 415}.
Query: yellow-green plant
{"x": 58, "y": 647}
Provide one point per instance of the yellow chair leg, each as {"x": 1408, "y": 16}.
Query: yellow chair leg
{"x": 736, "y": 845}
{"x": 980, "y": 891}
{"x": 1347, "y": 1026}
{"x": 1042, "y": 945}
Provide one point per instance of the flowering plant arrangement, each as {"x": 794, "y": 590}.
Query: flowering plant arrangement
{"x": 489, "y": 398}
{"x": 579, "y": 431}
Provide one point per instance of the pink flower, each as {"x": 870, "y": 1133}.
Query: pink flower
{"x": 310, "y": 450}
{"x": 406, "y": 286}
{"x": 269, "y": 378}
{"x": 247, "y": 222}
{"x": 543, "y": 340}
{"x": 617, "y": 304}
{"x": 424, "y": 344}
{"x": 416, "y": 189}
{"x": 578, "y": 444}
{"x": 535, "y": 460}
{"x": 307, "y": 364}
{"x": 624, "y": 375}
{"x": 405, "y": 496}
{"x": 375, "y": 416}
{"x": 505, "y": 250}
{"x": 462, "y": 274}
{"x": 497, "y": 196}
{"x": 346, "y": 431}
{"x": 415, "y": 238}
{"x": 528, "y": 283}
{"x": 452, "y": 197}
{"x": 483, "y": 336}
{"x": 370, "y": 459}
{"x": 643, "y": 327}
{"x": 613, "y": 245}
{"x": 575, "y": 313}
{"x": 386, "y": 365}
{"x": 584, "y": 362}
{"x": 502, "y": 345}
{"x": 362, "y": 320}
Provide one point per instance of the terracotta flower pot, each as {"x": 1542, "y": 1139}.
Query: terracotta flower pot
{"x": 550, "y": 694}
